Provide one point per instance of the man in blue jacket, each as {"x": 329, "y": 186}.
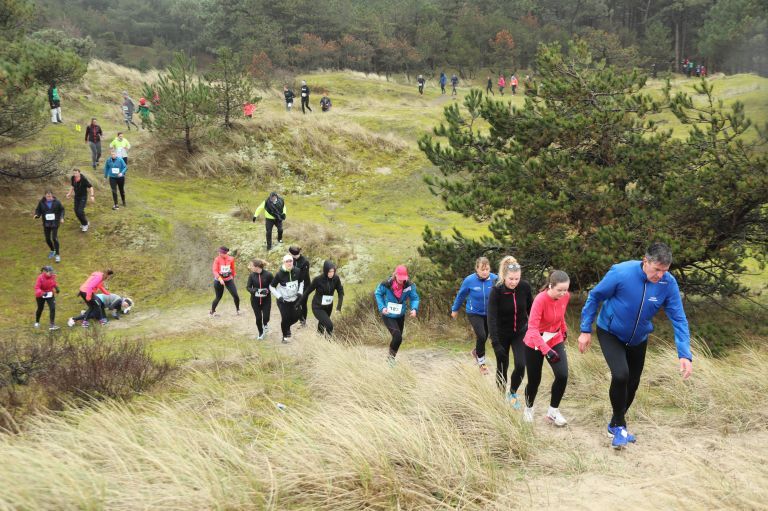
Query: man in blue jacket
{"x": 632, "y": 293}
{"x": 391, "y": 296}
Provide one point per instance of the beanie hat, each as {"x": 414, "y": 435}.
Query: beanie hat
{"x": 294, "y": 250}
{"x": 223, "y": 250}
{"x": 143, "y": 101}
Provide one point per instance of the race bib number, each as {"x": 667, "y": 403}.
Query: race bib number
{"x": 395, "y": 308}
{"x": 125, "y": 108}
{"x": 50, "y": 216}
{"x": 290, "y": 105}
{"x": 303, "y": 94}
{"x": 261, "y": 292}
{"x": 292, "y": 286}
{"x": 326, "y": 300}
{"x": 547, "y": 336}
{"x": 225, "y": 269}
{"x": 49, "y": 294}
{"x": 115, "y": 171}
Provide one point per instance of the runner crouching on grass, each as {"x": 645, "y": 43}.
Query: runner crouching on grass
{"x": 116, "y": 303}
{"x": 631, "y": 294}
{"x": 288, "y": 290}
{"x": 224, "y": 276}
{"x": 509, "y": 306}
{"x": 88, "y": 293}
{"x": 45, "y": 287}
{"x": 475, "y": 290}
{"x": 391, "y": 296}
{"x": 545, "y": 338}
{"x": 261, "y": 299}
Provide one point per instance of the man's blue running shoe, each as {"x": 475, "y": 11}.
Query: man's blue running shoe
{"x": 619, "y": 437}
{"x": 612, "y": 433}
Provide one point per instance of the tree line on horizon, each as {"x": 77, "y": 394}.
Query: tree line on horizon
{"x": 424, "y": 36}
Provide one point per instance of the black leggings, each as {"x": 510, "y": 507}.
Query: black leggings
{"x": 480, "y": 326}
{"x": 323, "y": 315}
{"x": 261, "y": 311}
{"x": 94, "y": 307}
{"x": 52, "y": 238}
{"x": 626, "y": 365}
{"x": 219, "y": 289}
{"x": 115, "y": 183}
{"x": 534, "y": 361}
{"x": 269, "y": 224}
{"x": 305, "y": 103}
{"x": 80, "y": 203}
{"x": 288, "y": 316}
{"x": 396, "y": 326}
{"x": 303, "y": 306}
{"x": 501, "y": 349}
{"x": 51, "y": 308}
{"x": 490, "y": 89}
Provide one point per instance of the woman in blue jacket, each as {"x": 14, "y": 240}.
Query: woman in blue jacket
{"x": 475, "y": 290}
{"x": 631, "y": 294}
{"x": 391, "y": 296}
{"x": 115, "y": 170}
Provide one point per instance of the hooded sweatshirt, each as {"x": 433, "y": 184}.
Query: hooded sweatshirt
{"x": 94, "y": 282}
{"x": 301, "y": 263}
{"x": 286, "y": 285}
{"x": 46, "y": 284}
{"x": 325, "y": 287}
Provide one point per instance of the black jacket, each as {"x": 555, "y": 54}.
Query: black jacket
{"x": 323, "y": 286}
{"x": 302, "y": 265}
{"x": 93, "y": 133}
{"x": 56, "y": 209}
{"x": 81, "y": 187}
{"x": 258, "y": 285}
{"x": 305, "y": 92}
{"x": 508, "y": 310}
{"x": 287, "y": 286}
{"x": 275, "y": 209}
{"x": 289, "y": 95}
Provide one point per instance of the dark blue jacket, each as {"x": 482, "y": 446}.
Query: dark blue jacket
{"x": 476, "y": 292}
{"x": 385, "y": 295}
{"x": 630, "y": 301}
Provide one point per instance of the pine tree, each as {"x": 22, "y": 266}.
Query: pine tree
{"x": 230, "y": 84}
{"x": 582, "y": 176}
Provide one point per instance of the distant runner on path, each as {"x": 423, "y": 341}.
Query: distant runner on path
{"x": 631, "y": 294}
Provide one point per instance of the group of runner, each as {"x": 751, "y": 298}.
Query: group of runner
{"x": 290, "y": 96}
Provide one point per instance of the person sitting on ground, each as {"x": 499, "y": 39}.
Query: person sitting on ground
{"x": 325, "y": 102}
{"x": 117, "y": 304}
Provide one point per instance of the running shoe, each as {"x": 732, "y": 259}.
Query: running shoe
{"x": 103, "y": 321}
{"x": 115, "y": 207}
{"x": 483, "y": 369}
{"x": 83, "y": 228}
{"x": 620, "y": 437}
{"x": 51, "y": 254}
{"x": 280, "y": 241}
{"x": 37, "y": 325}
{"x": 57, "y": 258}
{"x": 612, "y": 433}
{"x": 286, "y": 340}
{"x": 556, "y": 418}
{"x": 237, "y": 312}
{"x": 212, "y": 314}
{"x": 86, "y": 226}
{"x": 261, "y": 337}
{"x": 391, "y": 362}
{"x": 85, "y": 323}
{"x": 53, "y": 327}
{"x": 528, "y": 414}
{"x": 513, "y": 400}
{"x": 266, "y": 328}
{"x": 70, "y": 322}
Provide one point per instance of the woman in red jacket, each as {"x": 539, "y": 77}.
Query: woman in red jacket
{"x": 45, "y": 286}
{"x": 224, "y": 276}
{"x": 545, "y": 338}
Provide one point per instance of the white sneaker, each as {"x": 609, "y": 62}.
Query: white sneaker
{"x": 528, "y": 414}
{"x": 554, "y": 416}
{"x": 261, "y": 337}
{"x": 70, "y": 322}
{"x": 266, "y": 328}
{"x": 37, "y": 325}
{"x": 86, "y": 226}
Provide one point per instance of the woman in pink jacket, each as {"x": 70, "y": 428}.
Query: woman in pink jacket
{"x": 545, "y": 338}
{"x": 45, "y": 286}
{"x": 88, "y": 291}
{"x": 502, "y": 83}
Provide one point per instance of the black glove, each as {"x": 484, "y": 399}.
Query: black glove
{"x": 299, "y": 296}
{"x": 553, "y": 356}
{"x": 254, "y": 219}
{"x": 298, "y": 305}
{"x": 282, "y": 216}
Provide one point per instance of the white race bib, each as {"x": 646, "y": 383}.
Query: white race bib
{"x": 548, "y": 335}
{"x": 49, "y": 294}
{"x": 290, "y": 105}
{"x": 125, "y": 108}
{"x": 50, "y": 216}
{"x": 395, "y": 308}
{"x": 303, "y": 94}
{"x": 225, "y": 269}
{"x": 326, "y": 300}
{"x": 261, "y": 292}
{"x": 115, "y": 171}
{"x": 293, "y": 286}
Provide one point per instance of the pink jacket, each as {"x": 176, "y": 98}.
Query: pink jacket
{"x": 502, "y": 82}
{"x": 95, "y": 282}
{"x": 547, "y": 315}
{"x": 45, "y": 284}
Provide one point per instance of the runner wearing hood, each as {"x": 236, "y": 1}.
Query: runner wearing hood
{"x": 475, "y": 290}
{"x": 224, "y": 276}
{"x": 509, "y": 306}
{"x": 52, "y": 212}
{"x": 288, "y": 291}
{"x": 275, "y": 212}
{"x": 301, "y": 264}
{"x": 261, "y": 299}
{"x": 88, "y": 293}
{"x": 304, "y": 97}
{"x": 45, "y": 286}
{"x": 391, "y": 296}
{"x": 322, "y": 303}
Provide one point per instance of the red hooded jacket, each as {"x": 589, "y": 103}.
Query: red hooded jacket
{"x": 45, "y": 284}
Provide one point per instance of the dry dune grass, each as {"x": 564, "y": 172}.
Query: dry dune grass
{"x": 366, "y": 436}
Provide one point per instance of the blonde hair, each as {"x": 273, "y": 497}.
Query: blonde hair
{"x": 504, "y": 269}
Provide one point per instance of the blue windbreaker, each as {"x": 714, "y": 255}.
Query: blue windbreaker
{"x": 630, "y": 301}
{"x": 110, "y": 165}
{"x": 384, "y": 296}
{"x": 476, "y": 292}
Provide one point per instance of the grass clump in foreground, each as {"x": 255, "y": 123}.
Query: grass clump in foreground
{"x": 356, "y": 434}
